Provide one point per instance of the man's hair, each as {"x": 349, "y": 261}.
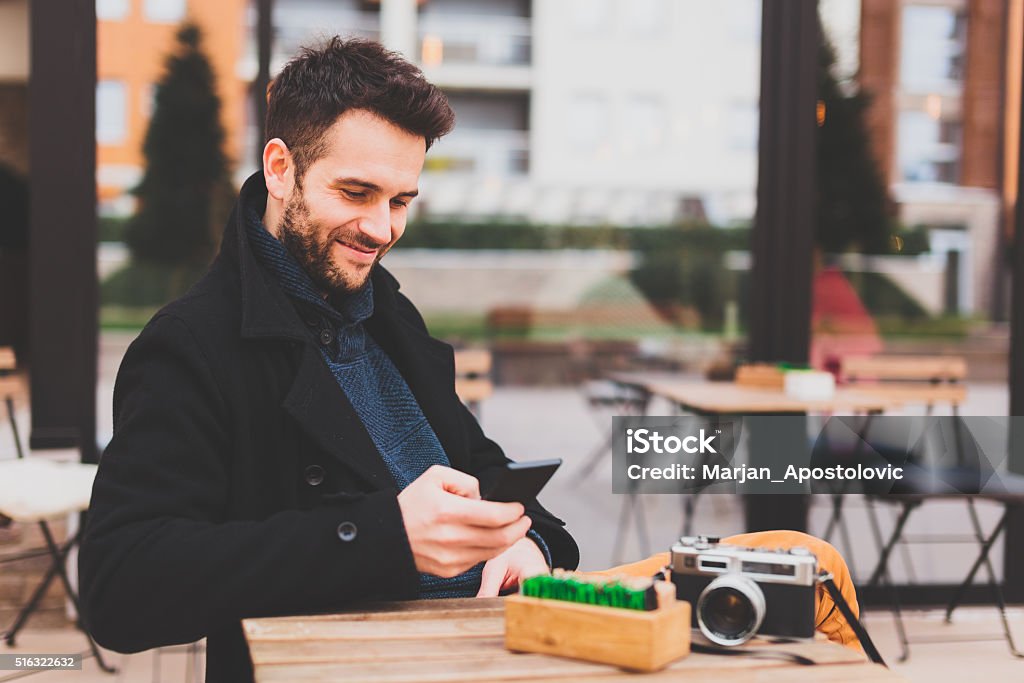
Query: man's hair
{"x": 324, "y": 82}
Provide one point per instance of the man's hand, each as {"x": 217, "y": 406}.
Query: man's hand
{"x": 450, "y": 529}
{"x": 508, "y": 570}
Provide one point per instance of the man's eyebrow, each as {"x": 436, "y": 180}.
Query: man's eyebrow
{"x": 372, "y": 187}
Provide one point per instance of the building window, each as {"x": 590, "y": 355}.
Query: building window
{"x": 147, "y": 100}
{"x": 744, "y": 121}
{"x": 165, "y": 11}
{"x": 590, "y": 16}
{"x": 646, "y": 18}
{"x": 587, "y": 121}
{"x": 646, "y": 124}
{"x": 111, "y": 112}
{"x": 929, "y": 148}
{"x": 932, "y": 47}
{"x": 112, "y": 10}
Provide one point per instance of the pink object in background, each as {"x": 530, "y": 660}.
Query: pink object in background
{"x": 840, "y": 324}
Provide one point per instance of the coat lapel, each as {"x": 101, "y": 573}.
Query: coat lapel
{"x": 315, "y": 401}
{"x": 325, "y": 415}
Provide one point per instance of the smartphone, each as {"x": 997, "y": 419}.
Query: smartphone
{"x": 519, "y": 482}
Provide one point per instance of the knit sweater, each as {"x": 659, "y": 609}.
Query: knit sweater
{"x": 371, "y": 382}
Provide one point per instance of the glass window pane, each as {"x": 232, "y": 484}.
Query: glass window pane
{"x": 112, "y": 10}
{"x": 165, "y": 11}
{"x": 111, "y": 112}
{"x": 932, "y": 48}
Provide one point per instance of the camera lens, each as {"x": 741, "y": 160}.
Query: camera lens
{"x": 730, "y": 610}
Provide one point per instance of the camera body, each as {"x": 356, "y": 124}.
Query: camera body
{"x": 737, "y": 592}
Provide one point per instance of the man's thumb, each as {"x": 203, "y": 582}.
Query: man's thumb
{"x": 491, "y": 579}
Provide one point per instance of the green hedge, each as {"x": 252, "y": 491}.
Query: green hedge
{"x": 111, "y": 228}
{"x": 147, "y": 285}
{"x": 680, "y": 267}
{"x": 883, "y": 298}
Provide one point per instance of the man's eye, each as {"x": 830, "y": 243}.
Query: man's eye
{"x": 352, "y": 194}
{"x": 399, "y": 203}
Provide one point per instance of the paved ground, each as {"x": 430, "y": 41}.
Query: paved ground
{"x": 541, "y": 423}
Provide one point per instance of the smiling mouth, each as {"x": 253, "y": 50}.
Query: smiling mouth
{"x": 359, "y": 252}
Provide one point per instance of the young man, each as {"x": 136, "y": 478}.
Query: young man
{"x": 287, "y": 437}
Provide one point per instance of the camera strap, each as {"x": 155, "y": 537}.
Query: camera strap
{"x": 759, "y": 653}
{"x": 827, "y": 580}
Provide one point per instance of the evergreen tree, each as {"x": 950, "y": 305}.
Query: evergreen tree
{"x": 181, "y": 195}
{"x": 854, "y": 210}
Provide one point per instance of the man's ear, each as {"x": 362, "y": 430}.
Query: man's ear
{"x": 278, "y": 169}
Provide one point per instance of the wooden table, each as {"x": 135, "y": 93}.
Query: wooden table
{"x": 463, "y": 640}
{"x": 728, "y": 398}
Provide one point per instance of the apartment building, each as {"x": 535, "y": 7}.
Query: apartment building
{"x": 629, "y": 111}
{"x": 944, "y": 77}
{"x": 134, "y": 38}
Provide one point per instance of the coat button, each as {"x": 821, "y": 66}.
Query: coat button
{"x": 347, "y": 531}
{"x": 326, "y": 337}
{"x": 314, "y": 475}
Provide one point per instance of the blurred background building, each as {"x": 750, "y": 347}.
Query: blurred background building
{"x": 592, "y": 211}
{"x": 133, "y": 38}
{"x": 604, "y": 112}
{"x": 945, "y": 82}
{"x": 14, "y": 69}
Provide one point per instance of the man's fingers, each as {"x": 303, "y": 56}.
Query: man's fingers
{"x": 484, "y": 513}
{"x": 492, "y": 578}
{"x": 454, "y": 481}
{"x": 489, "y": 539}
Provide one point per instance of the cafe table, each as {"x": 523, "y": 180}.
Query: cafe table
{"x": 725, "y": 399}
{"x": 437, "y": 641}
{"x": 702, "y": 397}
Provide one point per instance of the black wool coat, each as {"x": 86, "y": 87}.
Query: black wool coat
{"x": 240, "y": 481}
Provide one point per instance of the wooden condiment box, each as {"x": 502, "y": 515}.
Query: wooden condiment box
{"x": 631, "y": 639}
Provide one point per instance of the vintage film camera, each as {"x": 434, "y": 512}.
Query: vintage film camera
{"x": 737, "y": 592}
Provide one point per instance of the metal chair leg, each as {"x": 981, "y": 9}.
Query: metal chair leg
{"x": 897, "y": 614}
{"x": 897, "y": 533}
{"x": 632, "y": 506}
{"x": 997, "y": 591}
{"x": 894, "y": 600}
{"x": 689, "y": 506}
{"x": 14, "y": 426}
{"x": 982, "y": 541}
{"x": 595, "y": 458}
{"x": 72, "y": 594}
{"x": 833, "y": 520}
{"x": 641, "y": 527}
{"x": 30, "y": 606}
{"x": 844, "y": 533}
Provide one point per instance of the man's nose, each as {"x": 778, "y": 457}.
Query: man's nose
{"x": 376, "y": 223}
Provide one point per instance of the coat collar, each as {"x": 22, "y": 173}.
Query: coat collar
{"x": 315, "y": 400}
{"x": 266, "y": 310}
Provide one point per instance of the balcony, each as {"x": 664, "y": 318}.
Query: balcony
{"x": 481, "y": 152}
{"x": 299, "y": 26}
{"x": 480, "y": 52}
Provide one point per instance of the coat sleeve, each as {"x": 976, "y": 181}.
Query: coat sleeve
{"x": 485, "y": 459}
{"x": 160, "y": 563}
{"x": 486, "y": 456}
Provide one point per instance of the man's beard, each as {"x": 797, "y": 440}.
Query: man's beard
{"x": 298, "y": 234}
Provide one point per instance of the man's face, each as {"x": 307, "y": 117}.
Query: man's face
{"x": 351, "y": 204}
